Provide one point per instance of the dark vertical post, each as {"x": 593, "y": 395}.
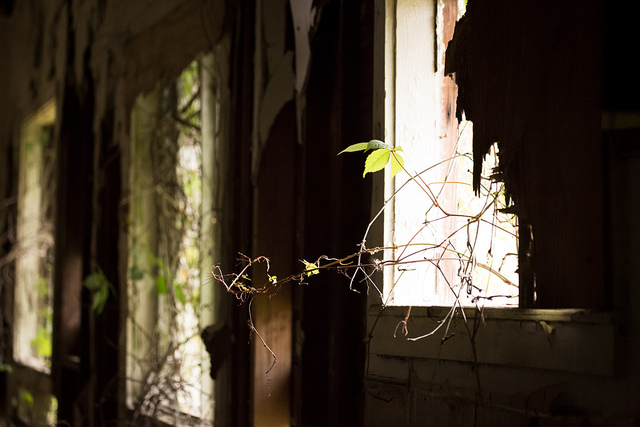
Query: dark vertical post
{"x": 336, "y": 212}
{"x": 232, "y": 385}
{"x": 72, "y": 230}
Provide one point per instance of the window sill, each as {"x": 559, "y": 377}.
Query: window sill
{"x": 500, "y": 313}
{"x": 567, "y": 340}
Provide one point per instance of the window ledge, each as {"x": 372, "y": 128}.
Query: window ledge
{"x": 566, "y": 340}
{"x": 576, "y": 315}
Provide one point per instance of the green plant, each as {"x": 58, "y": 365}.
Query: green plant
{"x": 42, "y": 342}
{"x": 361, "y": 266}
{"x": 381, "y": 155}
{"x": 100, "y": 289}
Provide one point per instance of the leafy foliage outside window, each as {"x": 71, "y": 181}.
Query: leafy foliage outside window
{"x": 164, "y": 346}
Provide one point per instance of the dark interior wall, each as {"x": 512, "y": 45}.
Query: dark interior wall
{"x": 621, "y": 143}
{"x": 620, "y": 37}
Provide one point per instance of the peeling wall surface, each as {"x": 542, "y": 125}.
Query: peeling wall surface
{"x": 300, "y": 89}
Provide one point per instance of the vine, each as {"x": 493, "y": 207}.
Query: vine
{"x": 361, "y": 266}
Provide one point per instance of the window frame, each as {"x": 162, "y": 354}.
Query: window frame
{"x": 212, "y": 100}
{"x": 25, "y": 377}
{"x": 424, "y": 110}
{"x": 389, "y": 324}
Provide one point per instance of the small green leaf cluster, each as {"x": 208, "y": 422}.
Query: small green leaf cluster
{"x": 241, "y": 285}
{"x": 100, "y": 288}
{"x": 26, "y": 398}
{"x": 310, "y": 268}
{"x": 136, "y": 273}
{"x": 42, "y": 342}
{"x": 381, "y": 155}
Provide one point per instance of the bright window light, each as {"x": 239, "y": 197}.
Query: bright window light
{"x": 448, "y": 244}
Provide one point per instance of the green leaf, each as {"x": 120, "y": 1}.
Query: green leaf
{"x": 100, "y": 287}
{"x": 161, "y": 284}
{"x": 376, "y": 160}
{"x": 136, "y": 273}
{"x": 42, "y": 286}
{"x": 374, "y": 144}
{"x": 27, "y": 398}
{"x": 93, "y": 281}
{"x": 180, "y": 294}
{"x": 6, "y": 368}
{"x": 99, "y": 300}
{"x": 397, "y": 162}
{"x": 361, "y": 146}
{"x": 42, "y": 342}
{"x": 310, "y": 268}
{"x": 379, "y": 158}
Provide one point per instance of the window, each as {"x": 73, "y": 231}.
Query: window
{"x": 33, "y": 297}
{"x": 172, "y": 245}
{"x": 447, "y": 243}
{"x": 34, "y": 289}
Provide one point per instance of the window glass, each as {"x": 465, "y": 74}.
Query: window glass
{"x": 448, "y": 244}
